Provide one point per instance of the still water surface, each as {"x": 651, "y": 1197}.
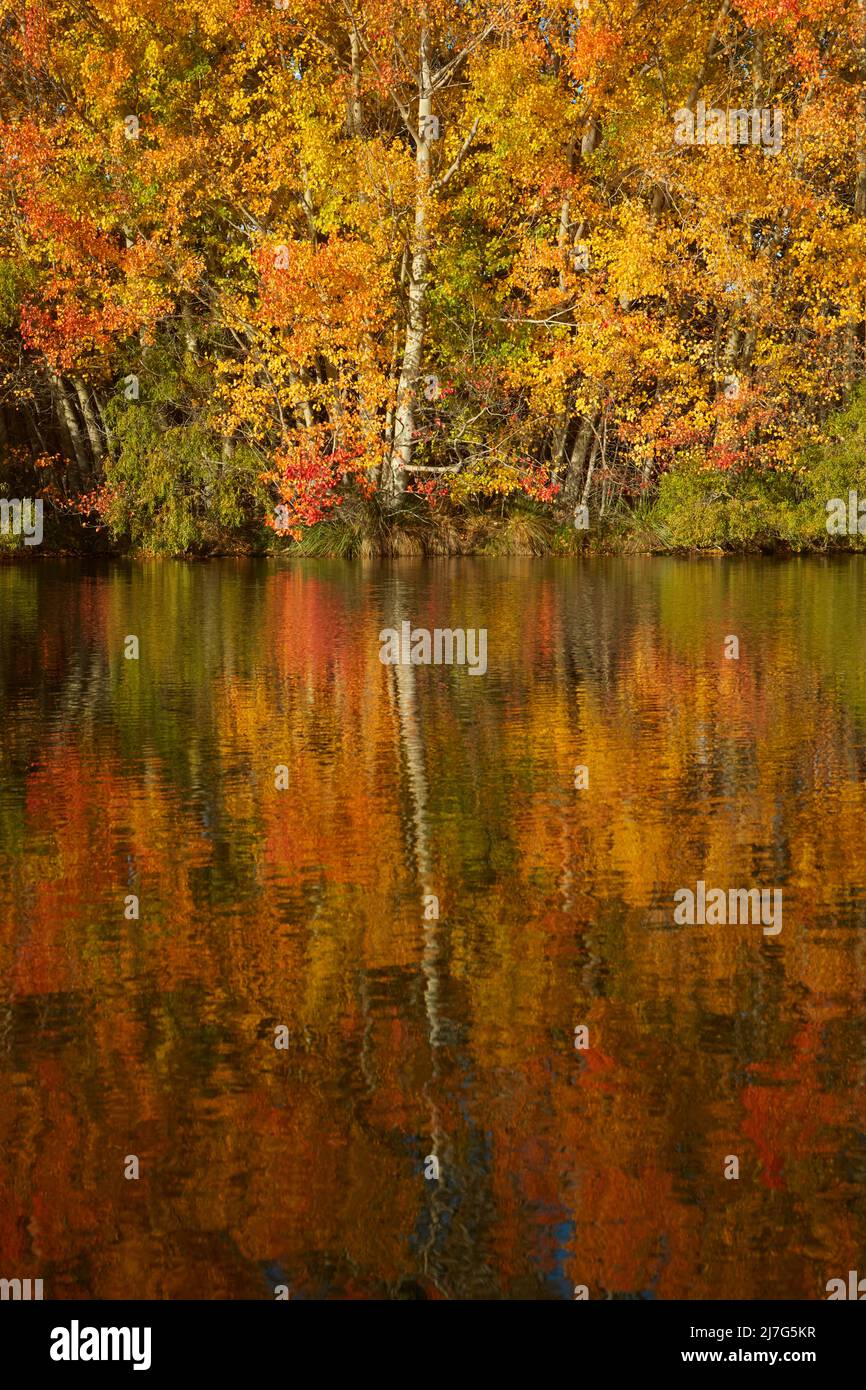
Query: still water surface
{"x": 411, "y": 1037}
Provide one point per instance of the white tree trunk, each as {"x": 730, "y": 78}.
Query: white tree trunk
{"x": 69, "y": 424}
{"x": 88, "y": 414}
{"x": 394, "y": 481}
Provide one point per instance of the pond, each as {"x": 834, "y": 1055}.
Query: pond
{"x": 333, "y": 978}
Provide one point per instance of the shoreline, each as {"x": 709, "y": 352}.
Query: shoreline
{"x": 780, "y": 551}
{"x": 694, "y": 526}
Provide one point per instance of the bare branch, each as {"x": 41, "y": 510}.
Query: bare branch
{"x": 458, "y": 160}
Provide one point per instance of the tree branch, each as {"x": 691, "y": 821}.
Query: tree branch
{"x": 458, "y": 160}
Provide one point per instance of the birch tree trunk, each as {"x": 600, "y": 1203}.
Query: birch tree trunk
{"x": 69, "y": 424}
{"x": 91, "y": 424}
{"x": 574, "y": 476}
{"x": 356, "y": 110}
{"x": 395, "y": 475}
